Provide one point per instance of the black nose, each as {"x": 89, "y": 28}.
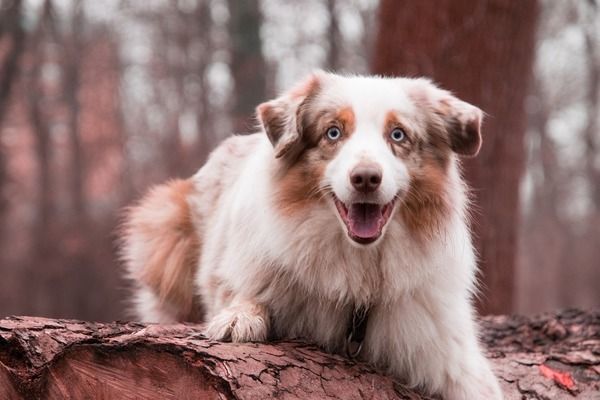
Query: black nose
{"x": 366, "y": 178}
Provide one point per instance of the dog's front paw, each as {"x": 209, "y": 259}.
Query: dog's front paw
{"x": 240, "y": 323}
{"x": 479, "y": 384}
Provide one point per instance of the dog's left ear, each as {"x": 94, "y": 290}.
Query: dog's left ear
{"x": 463, "y": 124}
{"x": 460, "y": 120}
{"x": 281, "y": 118}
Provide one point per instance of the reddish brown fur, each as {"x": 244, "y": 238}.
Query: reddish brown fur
{"x": 425, "y": 205}
{"x": 163, "y": 219}
{"x": 346, "y": 118}
{"x": 300, "y": 185}
{"x": 276, "y": 116}
{"x": 392, "y": 120}
{"x": 426, "y": 156}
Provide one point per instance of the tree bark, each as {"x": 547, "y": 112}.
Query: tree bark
{"x": 483, "y": 52}
{"x": 551, "y": 356}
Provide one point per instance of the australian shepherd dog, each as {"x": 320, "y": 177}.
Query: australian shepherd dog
{"x": 342, "y": 221}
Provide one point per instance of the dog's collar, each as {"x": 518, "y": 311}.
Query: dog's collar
{"x": 357, "y": 330}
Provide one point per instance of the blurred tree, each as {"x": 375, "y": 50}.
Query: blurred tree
{"x": 592, "y": 127}
{"x": 73, "y": 44}
{"x": 558, "y": 259}
{"x": 39, "y": 117}
{"x": 11, "y": 31}
{"x": 334, "y": 62}
{"x": 483, "y": 52}
{"x": 247, "y": 62}
{"x": 576, "y": 291}
{"x": 204, "y": 113}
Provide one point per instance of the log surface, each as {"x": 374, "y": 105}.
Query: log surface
{"x": 547, "y": 357}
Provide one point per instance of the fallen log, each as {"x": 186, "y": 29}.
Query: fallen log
{"x": 548, "y": 357}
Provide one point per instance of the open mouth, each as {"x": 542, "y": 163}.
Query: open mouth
{"x": 364, "y": 221}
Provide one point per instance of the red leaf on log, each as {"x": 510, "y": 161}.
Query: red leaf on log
{"x": 562, "y": 379}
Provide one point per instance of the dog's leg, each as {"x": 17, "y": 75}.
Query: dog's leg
{"x": 434, "y": 346}
{"x": 241, "y": 321}
{"x": 475, "y": 381}
{"x": 467, "y": 372}
{"x": 148, "y": 307}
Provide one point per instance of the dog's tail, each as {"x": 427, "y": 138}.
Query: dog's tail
{"x": 160, "y": 248}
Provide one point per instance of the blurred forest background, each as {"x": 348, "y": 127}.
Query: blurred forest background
{"x": 100, "y": 99}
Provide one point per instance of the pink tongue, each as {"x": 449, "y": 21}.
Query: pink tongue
{"x": 363, "y": 219}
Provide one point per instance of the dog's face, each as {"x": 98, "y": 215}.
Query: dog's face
{"x": 367, "y": 147}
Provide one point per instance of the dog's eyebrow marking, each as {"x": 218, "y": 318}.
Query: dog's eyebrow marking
{"x": 346, "y": 117}
{"x": 319, "y": 120}
{"x": 393, "y": 120}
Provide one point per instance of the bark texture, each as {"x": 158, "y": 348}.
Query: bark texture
{"x": 483, "y": 52}
{"x": 547, "y": 357}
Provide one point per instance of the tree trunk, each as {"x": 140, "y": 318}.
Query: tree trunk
{"x": 204, "y": 115}
{"x": 553, "y": 356}
{"x": 334, "y": 37}
{"x": 11, "y": 26}
{"x": 592, "y": 127}
{"x": 247, "y": 62}
{"x": 38, "y": 110}
{"x": 483, "y": 52}
{"x": 72, "y": 44}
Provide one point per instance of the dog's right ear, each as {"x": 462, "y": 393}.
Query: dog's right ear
{"x": 280, "y": 118}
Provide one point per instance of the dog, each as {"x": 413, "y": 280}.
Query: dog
{"x": 343, "y": 221}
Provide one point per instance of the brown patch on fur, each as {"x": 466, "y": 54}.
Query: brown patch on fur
{"x": 162, "y": 225}
{"x": 392, "y": 121}
{"x": 436, "y": 145}
{"x": 275, "y": 124}
{"x": 463, "y": 124}
{"x": 299, "y": 185}
{"x": 280, "y": 117}
{"x": 425, "y": 205}
{"x": 314, "y": 124}
{"x": 346, "y": 118}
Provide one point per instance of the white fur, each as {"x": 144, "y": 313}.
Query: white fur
{"x": 304, "y": 275}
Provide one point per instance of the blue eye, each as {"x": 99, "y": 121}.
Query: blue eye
{"x": 397, "y": 135}
{"x": 334, "y": 133}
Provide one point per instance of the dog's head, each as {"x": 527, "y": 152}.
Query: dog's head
{"x": 368, "y": 146}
